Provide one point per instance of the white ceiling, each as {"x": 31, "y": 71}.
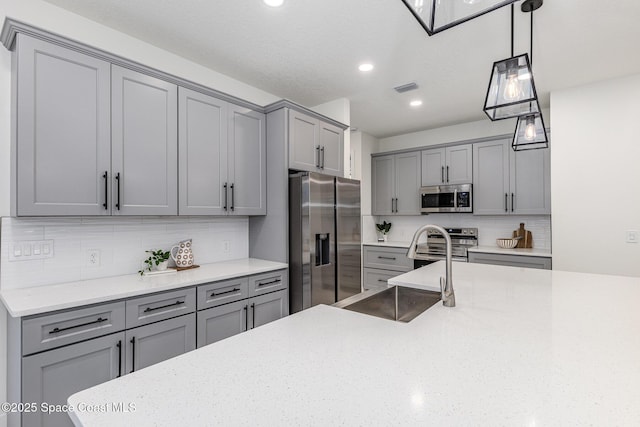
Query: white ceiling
{"x": 308, "y": 50}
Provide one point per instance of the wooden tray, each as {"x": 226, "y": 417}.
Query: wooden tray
{"x": 186, "y": 268}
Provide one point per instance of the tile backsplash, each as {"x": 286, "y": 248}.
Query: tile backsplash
{"x": 120, "y": 243}
{"x": 489, "y": 227}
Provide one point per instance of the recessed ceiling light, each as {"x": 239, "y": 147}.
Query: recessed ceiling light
{"x": 365, "y": 67}
{"x": 273, "y": 3}
{"x": 415, "y": 103}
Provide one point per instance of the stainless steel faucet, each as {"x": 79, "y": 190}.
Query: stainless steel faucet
{"x": 446, "y": 284}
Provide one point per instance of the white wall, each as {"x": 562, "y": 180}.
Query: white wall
{"x": 595, "y": 177}
{"x": 460, "y": 132}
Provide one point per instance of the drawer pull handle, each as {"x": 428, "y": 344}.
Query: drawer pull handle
{"x": 213, "y": 294}
{"x": 119, "y": 345}
{"x": 382, "y": 280}
{"x": 133, "y": 354}
{"x": 148, "y": 309}
{"x": 269, "y": 283}
{"x": 387, "y": 257}
{"x": 98, "y": 320}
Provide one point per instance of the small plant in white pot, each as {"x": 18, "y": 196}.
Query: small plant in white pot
{"x": 383, "y": 230}
{"x": 157, "y": 261}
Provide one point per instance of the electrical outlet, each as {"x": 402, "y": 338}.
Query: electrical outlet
{"x": 226, "y": 246}
{"x": 93, "y": 258}
{"x": 632, "y": 236}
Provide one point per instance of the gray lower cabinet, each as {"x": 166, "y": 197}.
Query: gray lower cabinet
{"x": 381, "y": 263}
{"x": 267, "y": 308}
{"x": 543, "y": 263}
{"x": 396, "y": 184}
{"x": 154, "y": 343}
{"x": 218, "y": 323}
{"x": 144, "y": 144}
{"x": 60, "y": 168}
{"x": 52, "y": 376}
{"x": 377, "y": 278}
{"x": 506, "y": 182}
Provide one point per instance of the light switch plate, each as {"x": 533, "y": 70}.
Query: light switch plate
{"x": 28, "y": 250}
{"x": 633, "y": 236}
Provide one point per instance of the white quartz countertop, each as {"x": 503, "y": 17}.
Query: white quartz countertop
{"x": 41, "y": 299}
{"x": 393, "y": 244}
{"x": 523, "y": 347}
{"x": 545, "y": 253}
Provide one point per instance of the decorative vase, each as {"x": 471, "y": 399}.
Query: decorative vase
{"x": 162, "y": 266}
{"x": 384, "y": 238}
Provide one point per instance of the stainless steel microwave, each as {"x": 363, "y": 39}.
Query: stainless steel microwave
{"x": 446, "y": 198}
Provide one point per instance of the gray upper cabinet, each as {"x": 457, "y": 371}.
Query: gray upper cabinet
{"x": 314, "y": 145}
{"x": 396, "y": 184}
{"x": 144, "y": 144}
{"x": 247, "y": 162}
{"x": 507, "y": 182}
{"x": 63, "y": 143}
{"x": 222, "y": 157}
{"x": 202, "y": 153}
{"x": 448, "y": 165}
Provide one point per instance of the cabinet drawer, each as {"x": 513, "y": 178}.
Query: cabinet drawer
{"x": 387, "y": 258}
{"x": 218, "y": 293}
{"x": 268, "y": 282}
{"x": 541, "y": 263}
{"x": 377, "y": 279}
{"x": 55, "y": 330}
{"x": 141, "y": 311}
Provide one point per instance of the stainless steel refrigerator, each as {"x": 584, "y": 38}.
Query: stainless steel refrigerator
{"x": 324, "y": 239}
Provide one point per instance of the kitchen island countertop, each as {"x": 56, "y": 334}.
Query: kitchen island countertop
{"x": 522, "y": 347}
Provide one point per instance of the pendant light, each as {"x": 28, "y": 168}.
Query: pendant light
{"x": 511, "y": 91}
{"x": 440, "y": 15}
{"x": 530, "y": 133}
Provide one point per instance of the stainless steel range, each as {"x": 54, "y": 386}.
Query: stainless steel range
{"x": 434, "y": 249}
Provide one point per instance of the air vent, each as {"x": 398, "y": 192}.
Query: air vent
{"x": 406, "y": 88}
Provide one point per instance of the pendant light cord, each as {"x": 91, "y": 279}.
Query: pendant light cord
{"x": 512, "y": 30}
{"x": 531, "y": 40}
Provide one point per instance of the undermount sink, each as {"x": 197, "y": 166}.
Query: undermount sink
{"x": 399, "y": 303}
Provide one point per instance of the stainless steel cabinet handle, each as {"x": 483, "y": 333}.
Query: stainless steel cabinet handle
{"x": 133, "y": 354}
{"x": 322, "y": 152}
{"x": 118, "y": 197}
{"x": 506, "y": 196}
{"x": 148, "y": 309}
{"x": 106, "y": 189}
{"x": 225, "y": 196}
{"x": 233, "y": 196}
{"x": 387, "y": 257}
{"x": 253, "y": 315}
{"x": 511, "y": 202}
{"x": 119, "y": 345}
{"x": 213, "y": 294}
{"x": 447, "y": 173}
{"x": 269, "y": 283}
{"x": 318, "y": 156}
{"x": 98, "y": 320}
{"x": 442, "y": 175}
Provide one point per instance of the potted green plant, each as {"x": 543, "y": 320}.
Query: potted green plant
{"x": 158, "y": 260}
{"x": 383, "y": 229}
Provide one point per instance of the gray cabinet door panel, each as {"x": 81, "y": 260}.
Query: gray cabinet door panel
{"x": 303, "y": 141}
{"x": 332, "y": 149}
{"x": 269, "y": 307}
{"x": 165, "y": 305}
{"x": 387, "y": 258}
{"x": 63, "y": 131}
{"x": 54, "y": 375}
{"x": 219, "y": 293}
{"x": 407, "y": 183}
{"x": 491, "y": 178}
{"x": 542, "y": 263}
{"x": 382, "y": 177}
{"x": 530, "y": 182}
{"x": 433, "y": 162}
{"x": 202, "y": 146}
{"x": 268, "y": 282}
{"x": 247, "y": 161}
{"x": 218, "y": 323}
{"x": 459, "y": 164}
{"x": 154, "y": 343}
{"x": 144, "y": 144}
{"x": 377, "y": 279}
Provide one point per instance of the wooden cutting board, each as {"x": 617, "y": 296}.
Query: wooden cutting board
{"x": 526, "y": 240}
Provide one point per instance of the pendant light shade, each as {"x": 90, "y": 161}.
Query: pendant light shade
{"x": 439, "y": 15}
{"x": 511, "y": 92}
{"x": 530, "y": 133}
